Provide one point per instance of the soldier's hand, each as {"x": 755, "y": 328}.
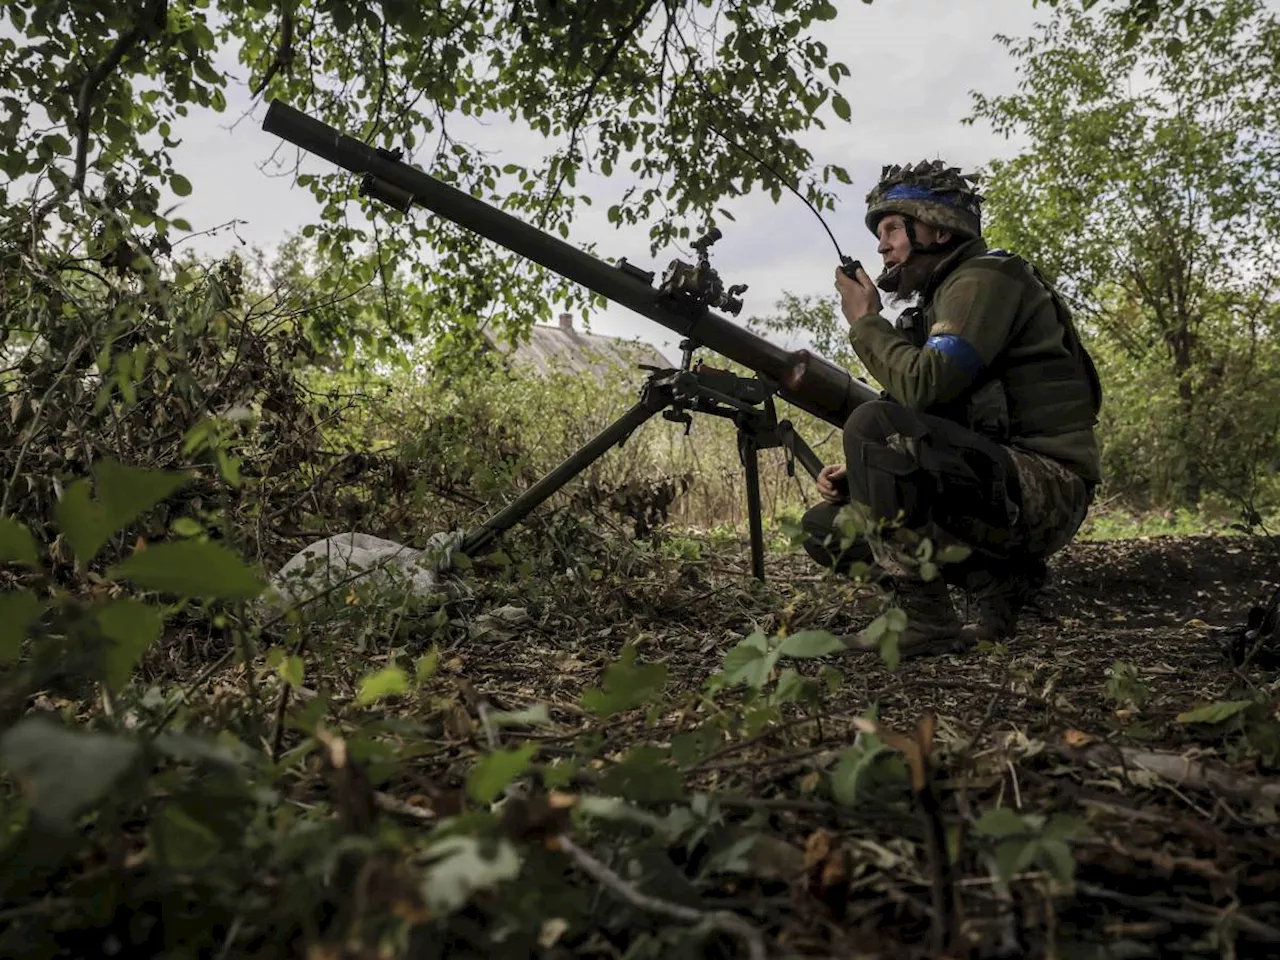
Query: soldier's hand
{"x": 833, "y": 485}
{"x": 858, "y": 295}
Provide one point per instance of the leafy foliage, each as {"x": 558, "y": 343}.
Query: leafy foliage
{"x": 186, "y": 772}
{"x": 1152, "y": 206}
{"x": 630, "y": 85}
{"x": 1028, "y": 839}
{"x": 626, "y": 685}
{"x": 124, "y": 494}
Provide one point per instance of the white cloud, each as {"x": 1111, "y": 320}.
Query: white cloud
{"x": 913, "y": 63}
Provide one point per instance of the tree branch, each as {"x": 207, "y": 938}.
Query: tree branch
{"x": 576, "y": 128}
{"x": 283, "y": 58}
{"x": 155, "y": 11}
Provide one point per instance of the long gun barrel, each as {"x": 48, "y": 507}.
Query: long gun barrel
{"x": 804, "y": 378}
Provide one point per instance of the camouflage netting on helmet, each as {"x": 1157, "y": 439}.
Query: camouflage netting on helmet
{"x": 930, "y": 192}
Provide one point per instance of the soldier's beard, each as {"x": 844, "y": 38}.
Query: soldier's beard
{"x": 906, "y": 280}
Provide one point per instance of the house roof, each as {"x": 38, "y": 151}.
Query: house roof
{"x": 564, "y": 349}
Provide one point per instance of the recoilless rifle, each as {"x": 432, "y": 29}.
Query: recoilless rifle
{"x": 682, "y": 301}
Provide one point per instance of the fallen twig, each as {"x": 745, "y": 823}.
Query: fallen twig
{"x": 721, "y": 920}
{"x": 1182, "y": 770}
{"x": 1198, "y": 913}
{"x": 389, "y": 804}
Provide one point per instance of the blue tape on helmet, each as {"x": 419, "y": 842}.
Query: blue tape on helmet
{"x": 907, "y": 191}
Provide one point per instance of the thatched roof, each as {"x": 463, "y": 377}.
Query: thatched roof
{"x": 565, "y": 349}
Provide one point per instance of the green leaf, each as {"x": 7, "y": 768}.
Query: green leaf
{"x": 953, "y": 553}
{"x": 793, "y": 686}
{"x": 19, "y": 609}
{"x": 387, "y": 682}
{"x": 1214, "y": 712}
{"x": 17, "y": 544}
{"x": 841, "y": 107}
{"x": 186, "y": 527}
{"x": 462, "y": 866}
{"x": 876, "y": 629}
{"x": 130, "y": 626}
{"x": 190, "y": 568}
{"x": 494, "y": 772}
{"x": 425, "y": 667}
{"x": 1014, "y": 856}
{"x": 1001, "y": 822}
{"x": 180, "y": 184}
{"x": 627, "y": 685}
{"x": 811, "y": 643}
{"x": 644, "y": 776}
{"x": 1060, "y": 859}
{"x": 182, "y": 841}
{"x": 1064, "y": 827}
{"x": 889, "y": 650}
{"x": 63, "y": 772}
{"x": 852, "y": 768}
{"x": 750, "y": 662}
{"x": 690, "y": 747}
{"x": 292, "y": 670}
{"x": 124, "y": 493}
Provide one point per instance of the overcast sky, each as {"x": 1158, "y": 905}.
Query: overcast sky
{"x": 913, "y": 63}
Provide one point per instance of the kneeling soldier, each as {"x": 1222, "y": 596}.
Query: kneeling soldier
{"x": 986, "y": 437}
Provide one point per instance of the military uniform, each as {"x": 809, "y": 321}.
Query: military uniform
{"x": 986, "y": 437}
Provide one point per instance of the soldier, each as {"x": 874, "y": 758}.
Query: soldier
{"x": 986, "y": 436}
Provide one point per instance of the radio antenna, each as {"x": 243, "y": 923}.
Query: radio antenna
{"x": 847, "y": 263}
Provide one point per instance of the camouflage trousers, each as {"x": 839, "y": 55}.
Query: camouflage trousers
{"x": 919, "y": 475}
{"x": 1052, "y": 502}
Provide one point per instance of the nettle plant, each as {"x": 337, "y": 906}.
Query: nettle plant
{"x": 75, "y": 792}
{"x": 204, "y": 818}
{"x": 263, "y": 823}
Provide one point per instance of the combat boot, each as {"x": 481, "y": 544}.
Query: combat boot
{"x": 932, "y": 624}
{"x": 997, "y": 603}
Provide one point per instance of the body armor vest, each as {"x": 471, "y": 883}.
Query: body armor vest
{"x": 1031, "y": 396}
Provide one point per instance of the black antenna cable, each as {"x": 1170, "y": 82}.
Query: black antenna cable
{"x": 848, "y": 265}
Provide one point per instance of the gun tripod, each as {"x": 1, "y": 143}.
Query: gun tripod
{"x": 677, "y": 395}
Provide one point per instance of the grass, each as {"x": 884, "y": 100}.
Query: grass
{"x": 1109, "y": 522}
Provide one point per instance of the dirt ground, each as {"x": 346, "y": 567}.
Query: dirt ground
{"x": 1164, "y": 864}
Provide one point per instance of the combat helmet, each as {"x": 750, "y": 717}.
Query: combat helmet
{"x": 929, "y": 192}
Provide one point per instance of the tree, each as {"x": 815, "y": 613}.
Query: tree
{"x": 1149, "y": 191}
{"x": 1138, "y": 16}
{"x": 92, "y": 93}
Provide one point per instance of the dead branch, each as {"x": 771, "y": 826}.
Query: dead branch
{"x": 721, "y": 920}
{"x": 1195, "y": 913}
{"x": 389, "y": 804}
{"x": 1183, "y": 771}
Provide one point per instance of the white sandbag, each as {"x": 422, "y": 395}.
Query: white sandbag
{"x": 353, "y": 558}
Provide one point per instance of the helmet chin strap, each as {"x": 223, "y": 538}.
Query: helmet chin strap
{"x": 891, "y": 278}
{"x": 909, "y": 224}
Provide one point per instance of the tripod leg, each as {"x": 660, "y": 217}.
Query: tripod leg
{"x": 802, "y": 451}
{"x": 481, "y": 538}
{"x": 751, "y": 463}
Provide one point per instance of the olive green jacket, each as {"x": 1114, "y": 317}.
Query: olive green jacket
{"x": 993, "y": 327}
